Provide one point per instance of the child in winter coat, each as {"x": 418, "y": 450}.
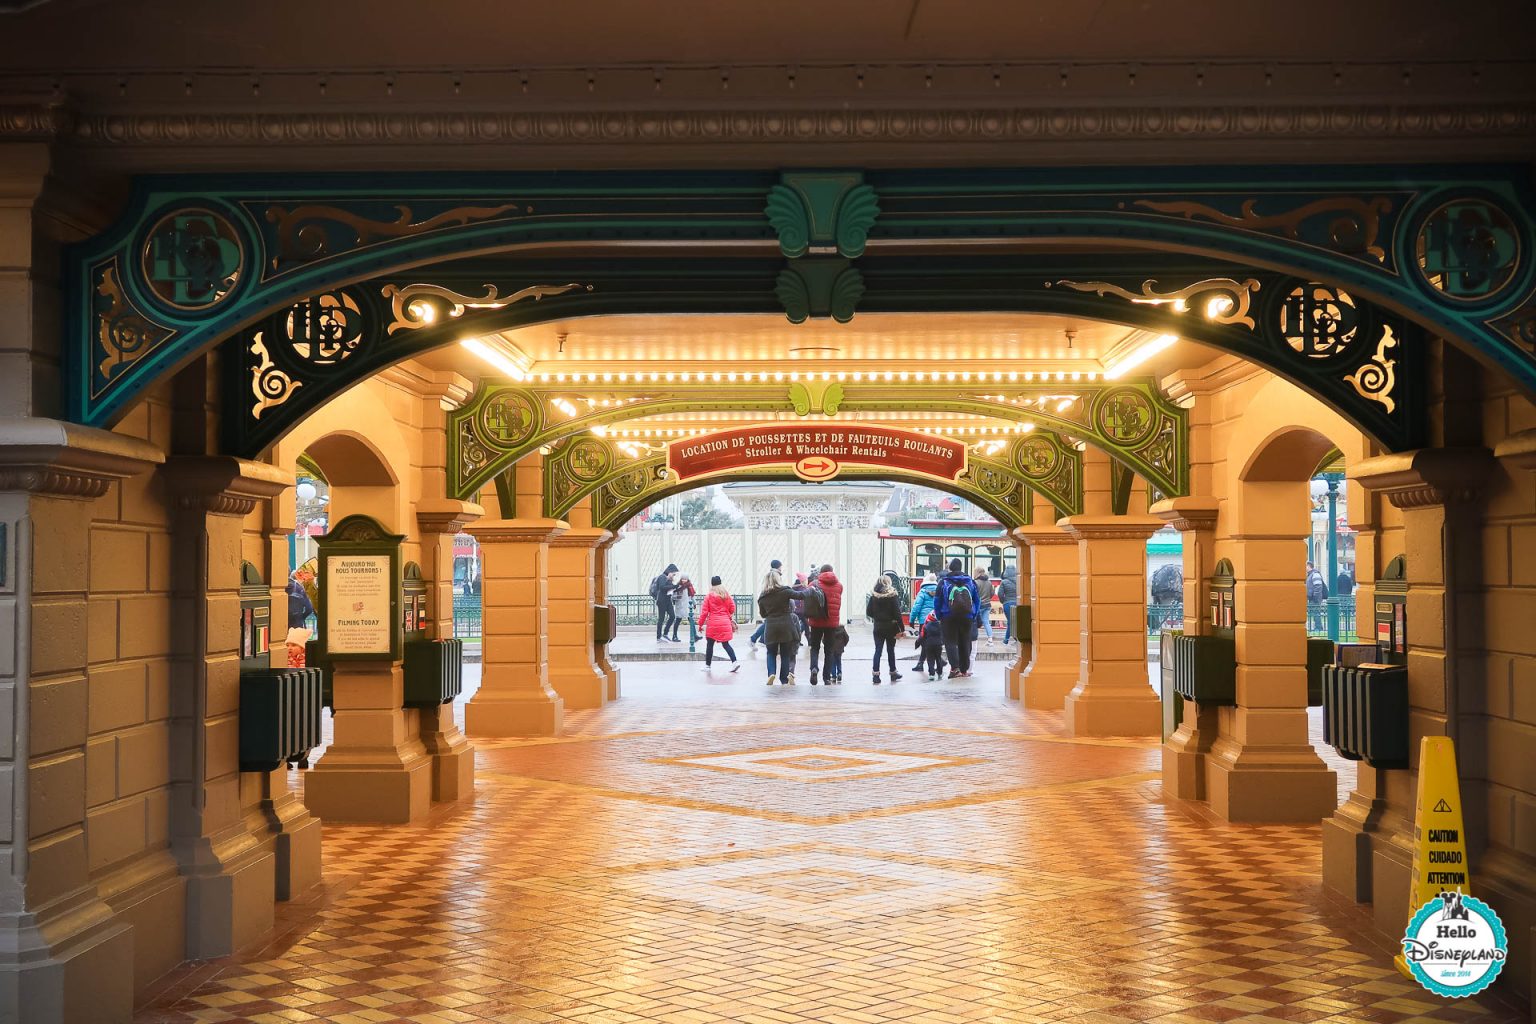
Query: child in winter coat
{"x": 930, "y": 641}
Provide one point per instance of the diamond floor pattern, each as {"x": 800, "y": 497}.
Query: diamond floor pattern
{"x": 926, "y": 853}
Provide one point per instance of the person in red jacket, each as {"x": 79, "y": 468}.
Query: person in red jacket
{"x": 822, "y": 626}
{"x": 717, "y": 618}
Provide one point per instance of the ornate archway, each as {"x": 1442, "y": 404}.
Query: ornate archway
{"x": 1329, "y": 277}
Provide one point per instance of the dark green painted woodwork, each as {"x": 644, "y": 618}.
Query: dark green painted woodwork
{"x": 198, "y": 259}
{"x": 1128, "y": 419}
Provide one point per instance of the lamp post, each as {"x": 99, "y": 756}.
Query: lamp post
{"x": 1333, "y": 554}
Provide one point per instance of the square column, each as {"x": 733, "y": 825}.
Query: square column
{"x": 453, "y": 758}
{"x": 515, "y": 697}
{"x": 600, "y": 573}
{"x": 1436, "y": 489}
{"x": 376, "y": 769}
{"x": 1052, "y": 668}
{"x": 1185, "y": 751}
{"x": 1112, "y": 696}
{"x": 220, "y": 828}
{"x": 65, "y": 953}
{"x": 573, "y": 670}
{"x": 1263, "y": 766}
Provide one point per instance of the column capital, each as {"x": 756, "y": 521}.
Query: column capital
{"x": 223, "y": 485}
{"x": 516, "y": 531}
{"x": 445, "y": 515}
{"x": 1518, "y": 450}
{"x": 1110, "y": 527}
{"x": 581, "y": 537}
{"x": 63, "y": 460}
{"x": 1427, "y": 477}
{"x": 1041, "y": 536}
{"x": 1186, "y": 514}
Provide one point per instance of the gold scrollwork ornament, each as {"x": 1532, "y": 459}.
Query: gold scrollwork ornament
{"x": 415, "y": 306}
{"x": 1228, "y": 299}
{"x": 1376, "y": 379}
{"x": 270, "y": 386}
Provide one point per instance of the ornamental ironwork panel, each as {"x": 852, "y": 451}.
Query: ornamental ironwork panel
{"x": 197, "y": 260}
{"x": 1129, "y": 419}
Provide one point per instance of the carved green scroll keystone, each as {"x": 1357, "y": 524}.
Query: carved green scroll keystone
{"x": 822, "y": 213}
{"x": 819, "y": 288}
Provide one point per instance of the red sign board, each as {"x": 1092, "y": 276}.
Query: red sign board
{"x": 816, "y": 451}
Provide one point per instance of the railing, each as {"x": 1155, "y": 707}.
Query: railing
{"x": 1333, "y": 618}
{"x": 640, "y": 609}
{"x": 1164, "y": 616}
{"x": 466, "y": 616}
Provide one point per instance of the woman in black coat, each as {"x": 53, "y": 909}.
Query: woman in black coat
{"x": 781, "y": 631}
{"x": 884, "y": 610}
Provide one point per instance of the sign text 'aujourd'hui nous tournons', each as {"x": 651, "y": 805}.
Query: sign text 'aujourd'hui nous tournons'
{"x": 816, "y": 451}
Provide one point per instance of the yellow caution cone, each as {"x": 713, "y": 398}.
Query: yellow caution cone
{"x": 1439, "y": 838}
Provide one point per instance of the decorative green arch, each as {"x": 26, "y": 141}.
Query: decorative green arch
{"x": 576, "y": 468}
{"x": 1129, "y": 419}
{"x": 196, "y": 260}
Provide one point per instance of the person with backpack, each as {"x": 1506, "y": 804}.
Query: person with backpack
{"x": 1317, "y": 593}
{"x": 823, "y": 599}
{"x": 757, "y": 634}
{"x": 717, "y": 618}
{"x": 883, "y": 609}
{"x": 957, "y": 606}
{"x": 661, "y": 593}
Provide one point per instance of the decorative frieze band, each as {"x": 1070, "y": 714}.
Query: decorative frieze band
{"x": 974, "y": 123}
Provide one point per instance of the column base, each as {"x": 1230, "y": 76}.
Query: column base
{"x": 370, "y": 794}
{"x": 1347, "y": 859}
{"x": 535, "y": 715}
{"x": 1508, "y": 883}
{"x": 1122, "y": 714}
{"x": 1185, "y": 753}
{"x": 81, "y": 973}
{"x": 295, "y": 839}
{"x": 611, "y": 691}
{"x": 1045, "y": 689}
{"x": 1242, "y": 787}
{"x": 453, "y": 758}
{"x": 149, "y": 894}
{"x": 230, "y": 902}
{"x": 1391, "y": 879}
{"x": 580, "y": 689}
{"x": 1013, "y": 679}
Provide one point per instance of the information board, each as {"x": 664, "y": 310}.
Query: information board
{"x": 358, "y": 596}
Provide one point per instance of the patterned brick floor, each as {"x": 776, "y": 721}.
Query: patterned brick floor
{"x": 709, "y": 849}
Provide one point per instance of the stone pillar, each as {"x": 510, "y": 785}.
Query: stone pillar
{"x": 229, "y": 860}
{"x": 1263, "y": 766}
{"x": 453, "y": 758}
{"x": 515, "y": 697}
{"x": 1112, "y": 696}
{"x": 1434, "y": 488}
{"x": 1185, "y": 751}
{"x": 295, "y": 832}
{"x": 1056, "y": 637}
{"x": 64, "y": 954}
{"x": 376, "y": 769}
{"x": 573, "y": 670}
{"x": 600, "y": 572}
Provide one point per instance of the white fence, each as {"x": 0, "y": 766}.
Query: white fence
{"x": 740, "y": 557}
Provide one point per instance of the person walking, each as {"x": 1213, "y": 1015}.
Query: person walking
{"x": 661, "y": 593}
{"x": 824, "y": 622}
{"x": 957, "y": 607}
{"x": 1008, "y": 594}
{"x": 682, "y": 594}
{"x": 984, "y": 592}
{"x": 883, "y": 609}
{"x": 757, "y": 634}
{"x": 922, "y": 606}
{"x": 717, "y": 618}
{"x": 902, "y": 596}
{"x": 781, "y": 633}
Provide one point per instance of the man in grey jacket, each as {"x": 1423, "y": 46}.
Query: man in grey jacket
{"x": 1008, "y": 594}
